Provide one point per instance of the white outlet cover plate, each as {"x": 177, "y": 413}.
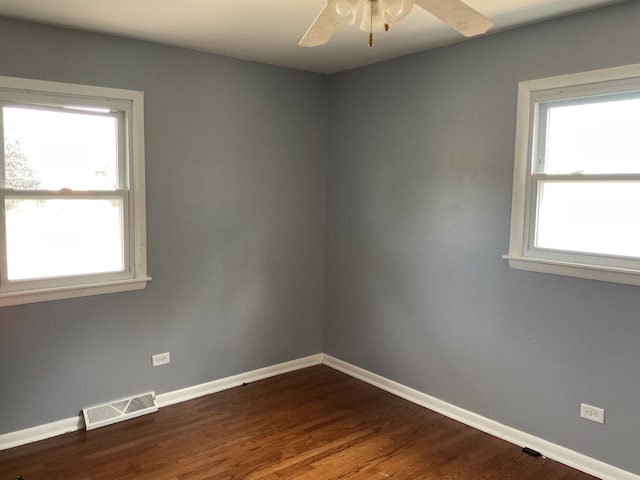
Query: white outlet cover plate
{"x": 160, "y": 359}
{"x": 595, "y": 414}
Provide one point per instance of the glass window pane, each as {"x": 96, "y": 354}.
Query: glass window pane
{"x": 599, "y": 137}
{"x": 62, "y": 237}
{"x": 589, "y": 217}
{"x": 55, "y": 149}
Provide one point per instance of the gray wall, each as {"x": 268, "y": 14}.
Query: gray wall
{"x": 236, "y": 162}
{"x": 418, "y": 202}
{"x": 418, "y": 210}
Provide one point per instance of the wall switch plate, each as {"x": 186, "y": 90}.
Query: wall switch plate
{"x": 595, "y": 414}
{"x": 160, "y": 359}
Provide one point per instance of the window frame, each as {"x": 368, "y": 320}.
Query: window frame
{"x": 523, "y": 254}
{"x": 128, "y": 106}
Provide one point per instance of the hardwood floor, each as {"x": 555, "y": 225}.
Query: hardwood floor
{"x": 315, "y": 423}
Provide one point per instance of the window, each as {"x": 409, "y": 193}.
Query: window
{"x": 71, "y": 191}
{"x": 576, "y": 194}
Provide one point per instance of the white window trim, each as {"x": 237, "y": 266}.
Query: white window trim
{"x": 138, "y": 278}
{"x": 519, "y": 256}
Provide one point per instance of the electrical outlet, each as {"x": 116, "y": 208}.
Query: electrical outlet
{"x": 595, "y": 414}
{"x": 160, "y": 359}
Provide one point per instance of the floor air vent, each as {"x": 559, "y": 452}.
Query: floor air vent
{"x": 119, "y": 410}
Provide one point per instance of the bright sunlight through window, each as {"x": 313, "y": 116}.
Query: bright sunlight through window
{"x": 72, "y": 191}
{"x": 576, "y": 198}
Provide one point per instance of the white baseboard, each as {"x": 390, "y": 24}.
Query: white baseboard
{"x": 196, "y": 391}
{"x": 561, "y": 454}
{"x": 42, "y": 432}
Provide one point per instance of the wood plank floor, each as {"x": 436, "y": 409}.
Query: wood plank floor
{"x": 315, "y": 423}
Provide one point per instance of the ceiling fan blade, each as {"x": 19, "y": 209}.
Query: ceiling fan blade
{"x": 457, "y": 15}
{"x": 322, "y": 28}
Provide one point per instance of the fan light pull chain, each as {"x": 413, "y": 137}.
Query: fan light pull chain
{"x": 386, "y": 25}
{"x": 371, "y": 26}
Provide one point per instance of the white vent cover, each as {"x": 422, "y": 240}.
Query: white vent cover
{"x": 119, "y": 410}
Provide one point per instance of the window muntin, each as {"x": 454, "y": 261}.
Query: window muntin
{"x": 71, "y": 191}
{"x": 576, "y": 200}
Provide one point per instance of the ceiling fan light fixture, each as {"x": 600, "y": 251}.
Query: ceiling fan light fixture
{"x": 373, "y": 16}
{"x": 379, "y": 14}
{"x": 396, "y": 10}
{"x": 346, "y": 10}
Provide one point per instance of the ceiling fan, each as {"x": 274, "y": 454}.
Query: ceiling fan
{"x": 379, "y": 14}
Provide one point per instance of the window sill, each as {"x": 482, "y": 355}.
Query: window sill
{"x": 72, "y": 291}
{"x": 578, "y": 270}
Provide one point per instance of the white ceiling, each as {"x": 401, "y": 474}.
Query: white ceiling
{"x": 268, "y": 31}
